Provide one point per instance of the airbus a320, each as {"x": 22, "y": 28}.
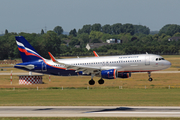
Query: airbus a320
{"x": 105, "y": 67}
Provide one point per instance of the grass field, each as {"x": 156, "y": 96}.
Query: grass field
{"x": 139, "y": 80}
{"x": 91, "y": 97}
{"x": 55, "y": 118}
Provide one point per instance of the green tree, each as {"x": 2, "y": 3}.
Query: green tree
{"x": 96, "y": 27}
{"x": 128, "y": 28}
{"x": 86, "y": 29}
{"x": 141, "y": 29}
{"x": 95, "y": 35}
{"x": 117, "y": 28}
{"x": 83, "y": 37}
{"x": 6, "y": 32}
{"x": 74, "y": 41}
{"x": 106, "y": 37}
{"x": 164, "y": 29}
{"x": 58, "y": 30}
{"x": 107, "y": 29}
{"x": 42, "y": 32}
{"x": 172, "y": 29}
{"x": 176, "y": 34}
{"x": 50, "y": 42}
{"x": 73, "y": 32}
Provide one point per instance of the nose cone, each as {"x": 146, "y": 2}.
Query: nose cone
{"x": 167, "y": 64}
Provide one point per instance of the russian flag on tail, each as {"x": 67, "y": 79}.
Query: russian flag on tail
{"x": 28, "y": 53}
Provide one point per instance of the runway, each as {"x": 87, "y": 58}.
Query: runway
{"x": 88, "y": 111}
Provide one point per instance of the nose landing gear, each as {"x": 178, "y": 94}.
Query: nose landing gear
{"x": 150, "y": 79}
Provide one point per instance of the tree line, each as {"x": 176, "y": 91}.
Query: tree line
{"x": 136, "y": 39}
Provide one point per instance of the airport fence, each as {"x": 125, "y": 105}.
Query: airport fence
{"x": 13, "y": 88}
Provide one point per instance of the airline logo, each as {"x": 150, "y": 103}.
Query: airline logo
{"x": 26, "y": 50}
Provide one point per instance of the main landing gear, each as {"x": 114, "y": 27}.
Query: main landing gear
{"x": 101, "y": 81}
{"x": 150, "y": 79}
{"x": 92, "y": 82}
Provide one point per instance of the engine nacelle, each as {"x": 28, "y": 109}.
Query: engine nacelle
{"x": 109, "y": 74}
{"x": 123, "y": 75}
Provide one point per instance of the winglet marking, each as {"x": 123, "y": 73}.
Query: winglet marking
{"x": 95, "y": 54}
{"x": 52, "y": 57}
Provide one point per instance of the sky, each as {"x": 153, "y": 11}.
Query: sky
{"x": 33, "y": 15}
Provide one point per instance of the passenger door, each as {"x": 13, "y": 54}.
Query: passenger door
{"x": 147, "y": 60}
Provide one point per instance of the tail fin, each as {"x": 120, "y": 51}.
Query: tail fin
{"x": 28, "y": 53}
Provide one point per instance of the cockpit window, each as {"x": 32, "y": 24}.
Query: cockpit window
{"x": 159, "y": 59}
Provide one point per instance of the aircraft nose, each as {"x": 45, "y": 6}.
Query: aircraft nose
{"x": 168, "y": 64}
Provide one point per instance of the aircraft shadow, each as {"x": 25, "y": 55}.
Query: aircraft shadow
{"x": 139, "y": 109}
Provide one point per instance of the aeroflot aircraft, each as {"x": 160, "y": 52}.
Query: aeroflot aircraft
{"x": 109, "y": 67}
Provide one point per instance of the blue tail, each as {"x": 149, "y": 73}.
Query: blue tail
{"x": 28, "y": 53}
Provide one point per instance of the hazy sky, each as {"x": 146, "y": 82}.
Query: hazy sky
{"x": 33, "y": 15}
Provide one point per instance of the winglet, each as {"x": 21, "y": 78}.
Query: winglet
{"x": 95, "y": 54}
{"x": 52, "y": 57}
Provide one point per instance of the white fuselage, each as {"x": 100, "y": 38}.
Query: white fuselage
{"x": 123, "y": 63}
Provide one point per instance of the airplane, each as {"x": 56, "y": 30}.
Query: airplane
{"x": 105, "y": 67}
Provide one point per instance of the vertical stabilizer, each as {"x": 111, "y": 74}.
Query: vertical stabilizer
{"x": 28, "y": 53}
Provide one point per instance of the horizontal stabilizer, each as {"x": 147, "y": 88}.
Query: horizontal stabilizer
{"x": 30, "y": 67}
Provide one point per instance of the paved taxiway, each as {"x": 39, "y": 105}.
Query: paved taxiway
{"x": 88, "y": 111}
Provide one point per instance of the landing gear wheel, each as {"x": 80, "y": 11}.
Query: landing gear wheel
{"x": 91, "y": 82}
{"x": 150, "y": 79}
{"x": 101, "y": 81}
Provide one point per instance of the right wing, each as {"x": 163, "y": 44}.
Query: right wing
{"x": 84, "y": 69}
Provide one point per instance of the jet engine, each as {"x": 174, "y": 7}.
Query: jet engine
{"x": 109, "y": 74}
{"x": 123, "y": 75}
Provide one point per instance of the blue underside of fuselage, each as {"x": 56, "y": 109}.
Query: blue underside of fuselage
{"x": 52, "y": 71}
